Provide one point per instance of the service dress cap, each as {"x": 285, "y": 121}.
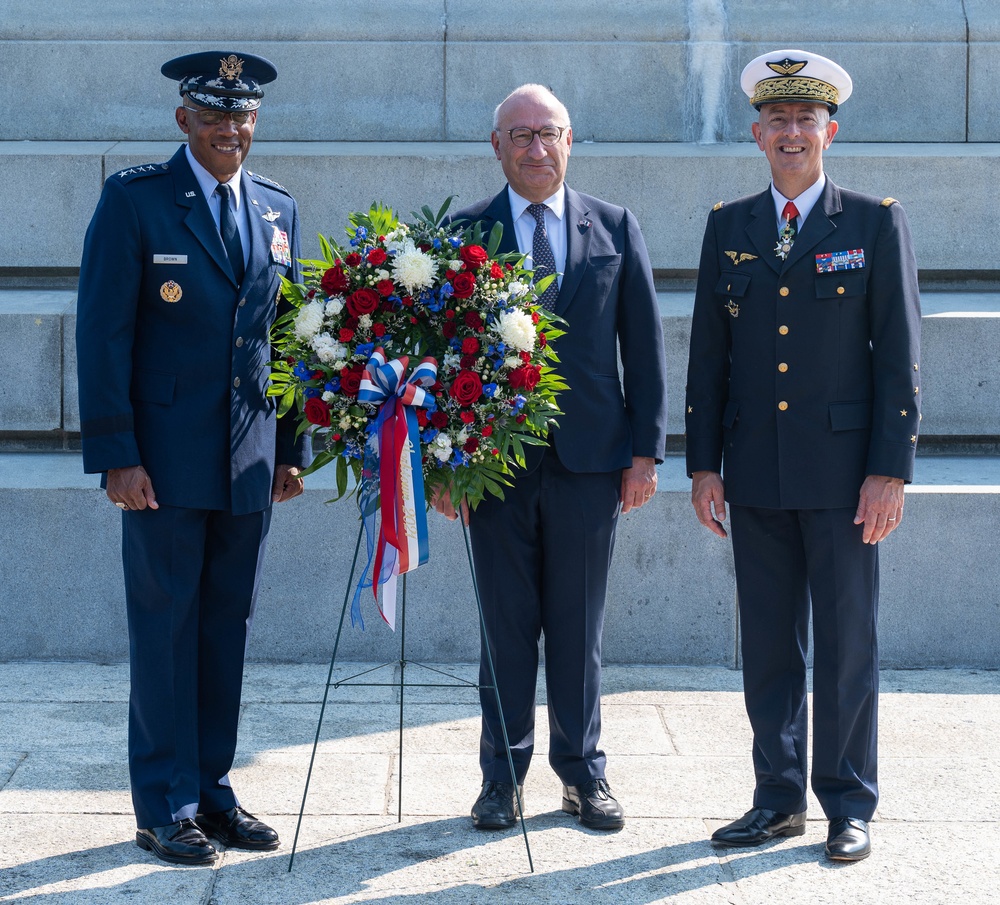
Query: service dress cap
{"x": 221, "y": 80}
{"x": 795, "y": 76}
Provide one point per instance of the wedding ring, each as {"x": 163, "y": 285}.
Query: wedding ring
{"x": 891, "y": 520}
{"x": 121, "y": 506}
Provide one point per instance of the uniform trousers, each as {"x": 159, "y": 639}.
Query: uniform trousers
{"x": 542, "y": 557}
{"x": 785, "y": 561}
{"x": 191, "y": 578}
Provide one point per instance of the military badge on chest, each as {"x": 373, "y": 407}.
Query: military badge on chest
{"x": 171, "y": 292}
{"x": 280, "y": 252}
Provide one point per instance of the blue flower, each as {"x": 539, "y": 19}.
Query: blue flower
{"x": 437, "y": 243}
{"x": 361, "y": 233}
{"x": 490, "y": 389}
{"x": 501, "y": 348}
{"x": 333, "y": 386}
{"x": 301, "y": 371}
{"x": 310, "y": 392}
{"x": 455, "y": 241}
{"x": 519, "y": 402}
{"x": 365, "y": 349}
{"x": 429, "y": 434}
{"x": 457, "y": 458}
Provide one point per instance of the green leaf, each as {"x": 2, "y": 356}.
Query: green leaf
{"x": 496, "y": 234}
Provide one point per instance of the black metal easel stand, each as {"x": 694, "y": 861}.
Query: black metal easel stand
{"x": 457, "y": 682}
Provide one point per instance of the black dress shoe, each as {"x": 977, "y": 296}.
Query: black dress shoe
{"x": 496, "y": 808}
{"x": 596, "y": 806}
{"x": 236, "y": 828}
{"x": 848, "y": 839}
{"x": 177, "y": 843}
{"x": 759, "y": 825}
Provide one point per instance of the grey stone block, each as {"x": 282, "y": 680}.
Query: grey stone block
{"x": 31, "y": 342}
{"x": 984, "y": 68}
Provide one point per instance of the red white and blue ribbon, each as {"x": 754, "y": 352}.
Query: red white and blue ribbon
{"x": 392, "y": 481}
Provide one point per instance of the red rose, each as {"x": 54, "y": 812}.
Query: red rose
{"x": 439, "y": 420}
{"x": 496, "y": 271}
{"x": 363, "y": 301}
{"x": 526, "y": 376}
{"x": 467, "y": 416}
{"x": 385, "y": 288}
{"x": 463, "y": 285}
{"x": 532, "y": 377}
{"x": 473, "y": 256}
{"x": 473, "y": 320}
{"x": 334, "y": 281}
{"x": 471, "y": 445}
{"x": 516, "y": 378}
{"x": 350, "y": 380}
{"x": 470, "y": 345}
{"x": 448, "y": 329}
{"x": 449, "y": 275}
{"x": 317, "y": 412}
{"x": 378, "y": 329}
{"x": 345, "y": 335}
{"x": 466, "y": 388}
{"x": 376, "y": 256}
{"x": 487, "y": 430}
{"x": 353, "y": 259}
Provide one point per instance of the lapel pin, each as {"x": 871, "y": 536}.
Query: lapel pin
{"x": 270, "y": 215}
{"x": 190, "y": 194}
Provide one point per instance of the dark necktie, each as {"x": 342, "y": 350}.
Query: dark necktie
{"x": 541, "y": 255}
{"x": 230, "y": 234}
{"x": 786, "y": 235}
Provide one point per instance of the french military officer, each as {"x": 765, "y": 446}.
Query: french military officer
{"x": 802, "y": 415}
{"x": 178, "y": 289}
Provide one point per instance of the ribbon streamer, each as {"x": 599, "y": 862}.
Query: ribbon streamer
{"x": 392, "y": 482}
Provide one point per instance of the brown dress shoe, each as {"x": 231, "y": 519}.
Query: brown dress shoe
{"x": 757, "y": 826}
{"x": 236, "y": 828}
{"x": 177, "y": 843}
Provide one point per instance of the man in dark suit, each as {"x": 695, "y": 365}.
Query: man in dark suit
{"x": 542, "y": 553}
{"x": 803, "y": 384}
{"x": 178, "y": 287}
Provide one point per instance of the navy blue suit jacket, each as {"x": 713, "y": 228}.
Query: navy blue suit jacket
{"x": 608, "y": 299}
{"x": 801, "y": 383}
{"x": 172, "y": 353}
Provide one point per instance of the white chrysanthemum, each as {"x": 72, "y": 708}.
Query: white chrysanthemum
{"x": 328, "y": 350}
{"x": 309, "y": 320}
{"x": 517, "y": 330}
{"x": 413, "y": 269}
{"x": 440, "y": 446}
{"x": 334, "y": 305}
{"x": 396, "y": 239}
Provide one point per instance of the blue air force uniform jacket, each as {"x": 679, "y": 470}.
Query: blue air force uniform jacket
{"x": 804, "y": 382}
{"x": 172, "y": 353}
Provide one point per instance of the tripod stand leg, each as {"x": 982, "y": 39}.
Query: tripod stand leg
{"x": 326, "y": 695}
{"x": 496, "y": 691}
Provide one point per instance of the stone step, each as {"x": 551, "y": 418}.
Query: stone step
{"x": 432, "y": 70}
{"x": 671, "y": 600}
{"x": 961, "y": 333}
{"x": 669, "y": 187}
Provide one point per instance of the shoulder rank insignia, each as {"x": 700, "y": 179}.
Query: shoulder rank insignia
{"x": 270, "y": 183}
{"x": 739, "y": 257}
{"x": 889, "y": 202}
{"x": 146, "y": 169}
{"x": 719, "y": 206}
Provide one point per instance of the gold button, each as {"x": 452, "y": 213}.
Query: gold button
{"x": 840, "y": 290}
{"x": 783, "y": 291}
{"x": 783, "y": 330}
{"x": 239, "y": 341}
{"x": 236, "y": 382}
{"x": 782, "y": 406}
{"x": 782, "y": 367}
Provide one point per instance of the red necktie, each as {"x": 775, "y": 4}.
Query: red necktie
{"x": 786, "y": 235}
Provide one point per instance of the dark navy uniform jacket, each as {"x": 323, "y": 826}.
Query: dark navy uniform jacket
{"x": 607, "y": 297}
{"x": 803, "y": 382}
{"x": 172, "y": 353}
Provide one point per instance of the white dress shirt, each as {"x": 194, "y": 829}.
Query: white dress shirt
{"x": 208, "y": 185}
{"x": 555, "y": 227}
{"x": 803, "y": 204}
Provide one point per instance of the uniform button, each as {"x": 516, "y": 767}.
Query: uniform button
{"x": 243, "y": 301}
{"x": 783, "y": 291}
{"x": 236, "y": 382}
{"x": 840, "y": 290}
{"x": 783, "y": 330}
{"x": 782, "y": 367}
{"x": 782, "y": 406}
{"x": 239, "y": 341}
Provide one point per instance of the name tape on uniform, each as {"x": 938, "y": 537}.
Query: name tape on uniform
{"x": 170, "y": 259}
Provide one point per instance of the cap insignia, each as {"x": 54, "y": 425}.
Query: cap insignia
{"x": 787, "y": 66}
{"x": 232, "y": 66}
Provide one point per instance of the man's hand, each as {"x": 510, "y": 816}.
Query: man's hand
{"x": 441, "y": 501}
{"x": 709, "y": 500}
{"x": 287, "y": 483}
{"x": 131, "y": 488}
{"x": 880, "y": 507}
{"x": 638, "y": 483}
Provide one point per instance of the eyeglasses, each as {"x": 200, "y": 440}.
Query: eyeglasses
{"x": 522, "y": 136}
{"x": 214, "y": 117}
